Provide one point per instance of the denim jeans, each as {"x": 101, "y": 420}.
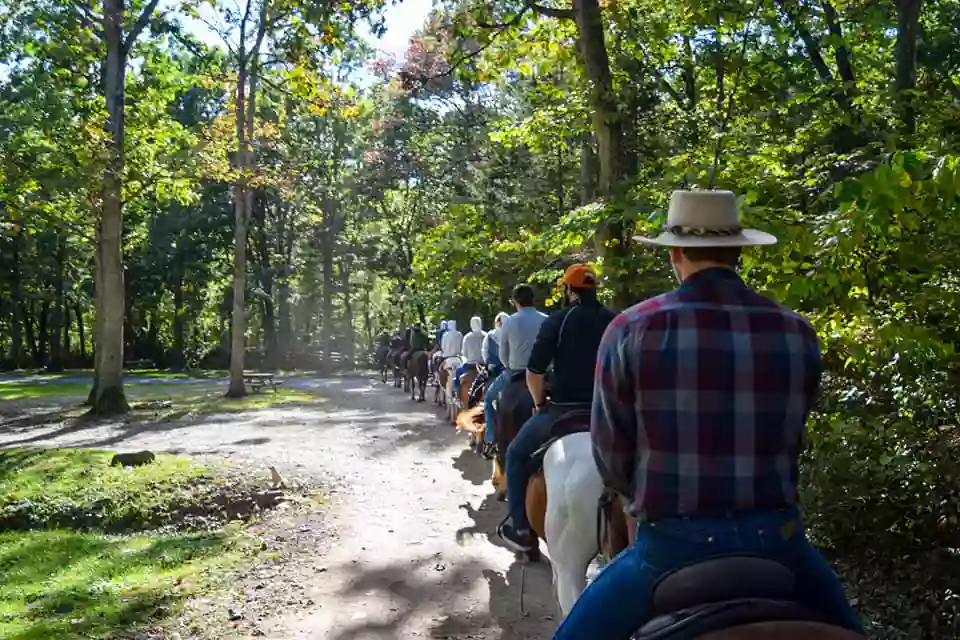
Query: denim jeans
{"x": 493, "y": 391}
{"x": 620, "y": 600}
{"x": 532, "y": 435}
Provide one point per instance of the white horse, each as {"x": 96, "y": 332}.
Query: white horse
{"x": 563, "y": 510}
{"x": 451, "y": 363}
{"x": 574, "y": 487}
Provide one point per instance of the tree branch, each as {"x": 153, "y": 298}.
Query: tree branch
{"x": 552, "y": 12}
{"x": 842, "y": 54}
{"x": 144, "y": 20}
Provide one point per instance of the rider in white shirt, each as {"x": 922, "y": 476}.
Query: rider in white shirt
{"x": 472, "y": 347}
{"x": 450, "y": 346}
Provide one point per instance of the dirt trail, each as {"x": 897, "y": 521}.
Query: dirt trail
{"x": 406, "y": 550}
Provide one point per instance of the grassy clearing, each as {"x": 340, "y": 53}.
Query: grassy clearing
{"x": 65, "y": 577}
{"x": 202, "y": 399}
{"x": 41, "y": 390}
{"x": 68, "y": 584}
{"x": 185, "y": 398}
{"x": 78, "y": 489}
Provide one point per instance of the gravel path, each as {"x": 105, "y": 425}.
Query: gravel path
{"x": 405, "y": 550}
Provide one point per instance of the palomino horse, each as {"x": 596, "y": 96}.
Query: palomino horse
{"x": 471, "y": 420}
{"x": 439, "y": 396}
{"x": 417, "y": 371}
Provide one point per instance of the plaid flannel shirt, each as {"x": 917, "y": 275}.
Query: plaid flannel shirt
{"x": 700, "y": 399}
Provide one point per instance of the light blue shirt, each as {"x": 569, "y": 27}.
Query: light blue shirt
{"x": 517, "y": 335}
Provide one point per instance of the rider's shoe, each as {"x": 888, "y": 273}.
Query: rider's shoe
{"x": 489, "y": 451}
{"x": 517, "y": 540}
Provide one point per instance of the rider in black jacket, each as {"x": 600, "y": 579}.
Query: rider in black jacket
{"x": 568, "y": 339}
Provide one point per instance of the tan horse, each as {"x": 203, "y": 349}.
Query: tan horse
{"x": 440, "y": 391}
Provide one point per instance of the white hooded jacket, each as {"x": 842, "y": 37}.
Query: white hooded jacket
{"x": 473, "y": 342}
{"x": 452, "y": 340}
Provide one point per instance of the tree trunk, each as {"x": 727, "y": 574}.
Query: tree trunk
{"x": 55, "y": 364}
{"x": 367, "y": 321}
{"x": 284, "y": 249}
{"x": 238, "y": 325}
{"x": 27, "y": 315}
{"x": 266, "y": 272}
{"x": 80, "y": 334}
{"x": 245, "y": 114}
{"x": 67, "y": 323}
{"x": 326, "y": 247}
{"x": 40, "y": 358}
{"x": 16, "y": 351}
{"x": 588, "y": 170}
{"x": 908, "y": 32}
{"x": 608, "y": 128}
{"x": 179, "y": 346}
{"x": 108, "y": 386}
{"x": 349, "y": 340}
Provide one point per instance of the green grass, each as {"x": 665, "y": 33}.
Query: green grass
{"x": 71, "y": 585}
{"x": 195, "y": 398}
{"x": 42, "y": 390}
{"x": 64, "y": 577}
{"x": 77, "y": 488}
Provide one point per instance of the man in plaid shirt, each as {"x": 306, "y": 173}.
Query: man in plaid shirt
{"x": 699, "y": 406}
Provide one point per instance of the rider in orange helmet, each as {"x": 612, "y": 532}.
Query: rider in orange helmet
{"x": 568, "y": 340}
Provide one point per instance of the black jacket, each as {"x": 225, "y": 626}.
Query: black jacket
{"x": 569, "y": 339}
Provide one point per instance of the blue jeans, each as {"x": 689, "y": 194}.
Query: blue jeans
{"x": 493, "y": 391}
{"x": 532, "y": 435}
{"x": 620, "y": 600}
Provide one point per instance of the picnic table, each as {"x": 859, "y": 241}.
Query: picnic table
{"x": 257, "y": 381}
{"x": 141, "y": 364}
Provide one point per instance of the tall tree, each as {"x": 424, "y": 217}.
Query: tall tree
{"x": 107, "y": 395}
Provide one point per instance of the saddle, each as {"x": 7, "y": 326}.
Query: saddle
{"x": 567, "y": 420}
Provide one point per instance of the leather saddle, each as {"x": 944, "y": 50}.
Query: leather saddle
{"x": 567, "y": 419}
{"x": 721, "y": 593}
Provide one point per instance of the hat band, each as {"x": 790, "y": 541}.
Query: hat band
{"x": 680, "y": 230}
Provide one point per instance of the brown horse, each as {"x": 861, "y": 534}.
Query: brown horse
{"x": 514, "y": 407}
{"x": 417, "y": 372}
{"x": 466, "y": 381}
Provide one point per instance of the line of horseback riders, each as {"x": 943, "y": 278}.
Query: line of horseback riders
{"x": 682, "y": 416}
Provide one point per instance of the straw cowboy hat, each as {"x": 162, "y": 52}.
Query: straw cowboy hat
{"x": 706, "y": 219}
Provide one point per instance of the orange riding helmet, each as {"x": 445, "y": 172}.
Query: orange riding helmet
{"x": 581, "y": 276}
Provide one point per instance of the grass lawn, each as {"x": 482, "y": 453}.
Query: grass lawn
{"x": 186, "y": 398}
{"x": 63, "y": 576}
{"x": 70, "y": 584}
